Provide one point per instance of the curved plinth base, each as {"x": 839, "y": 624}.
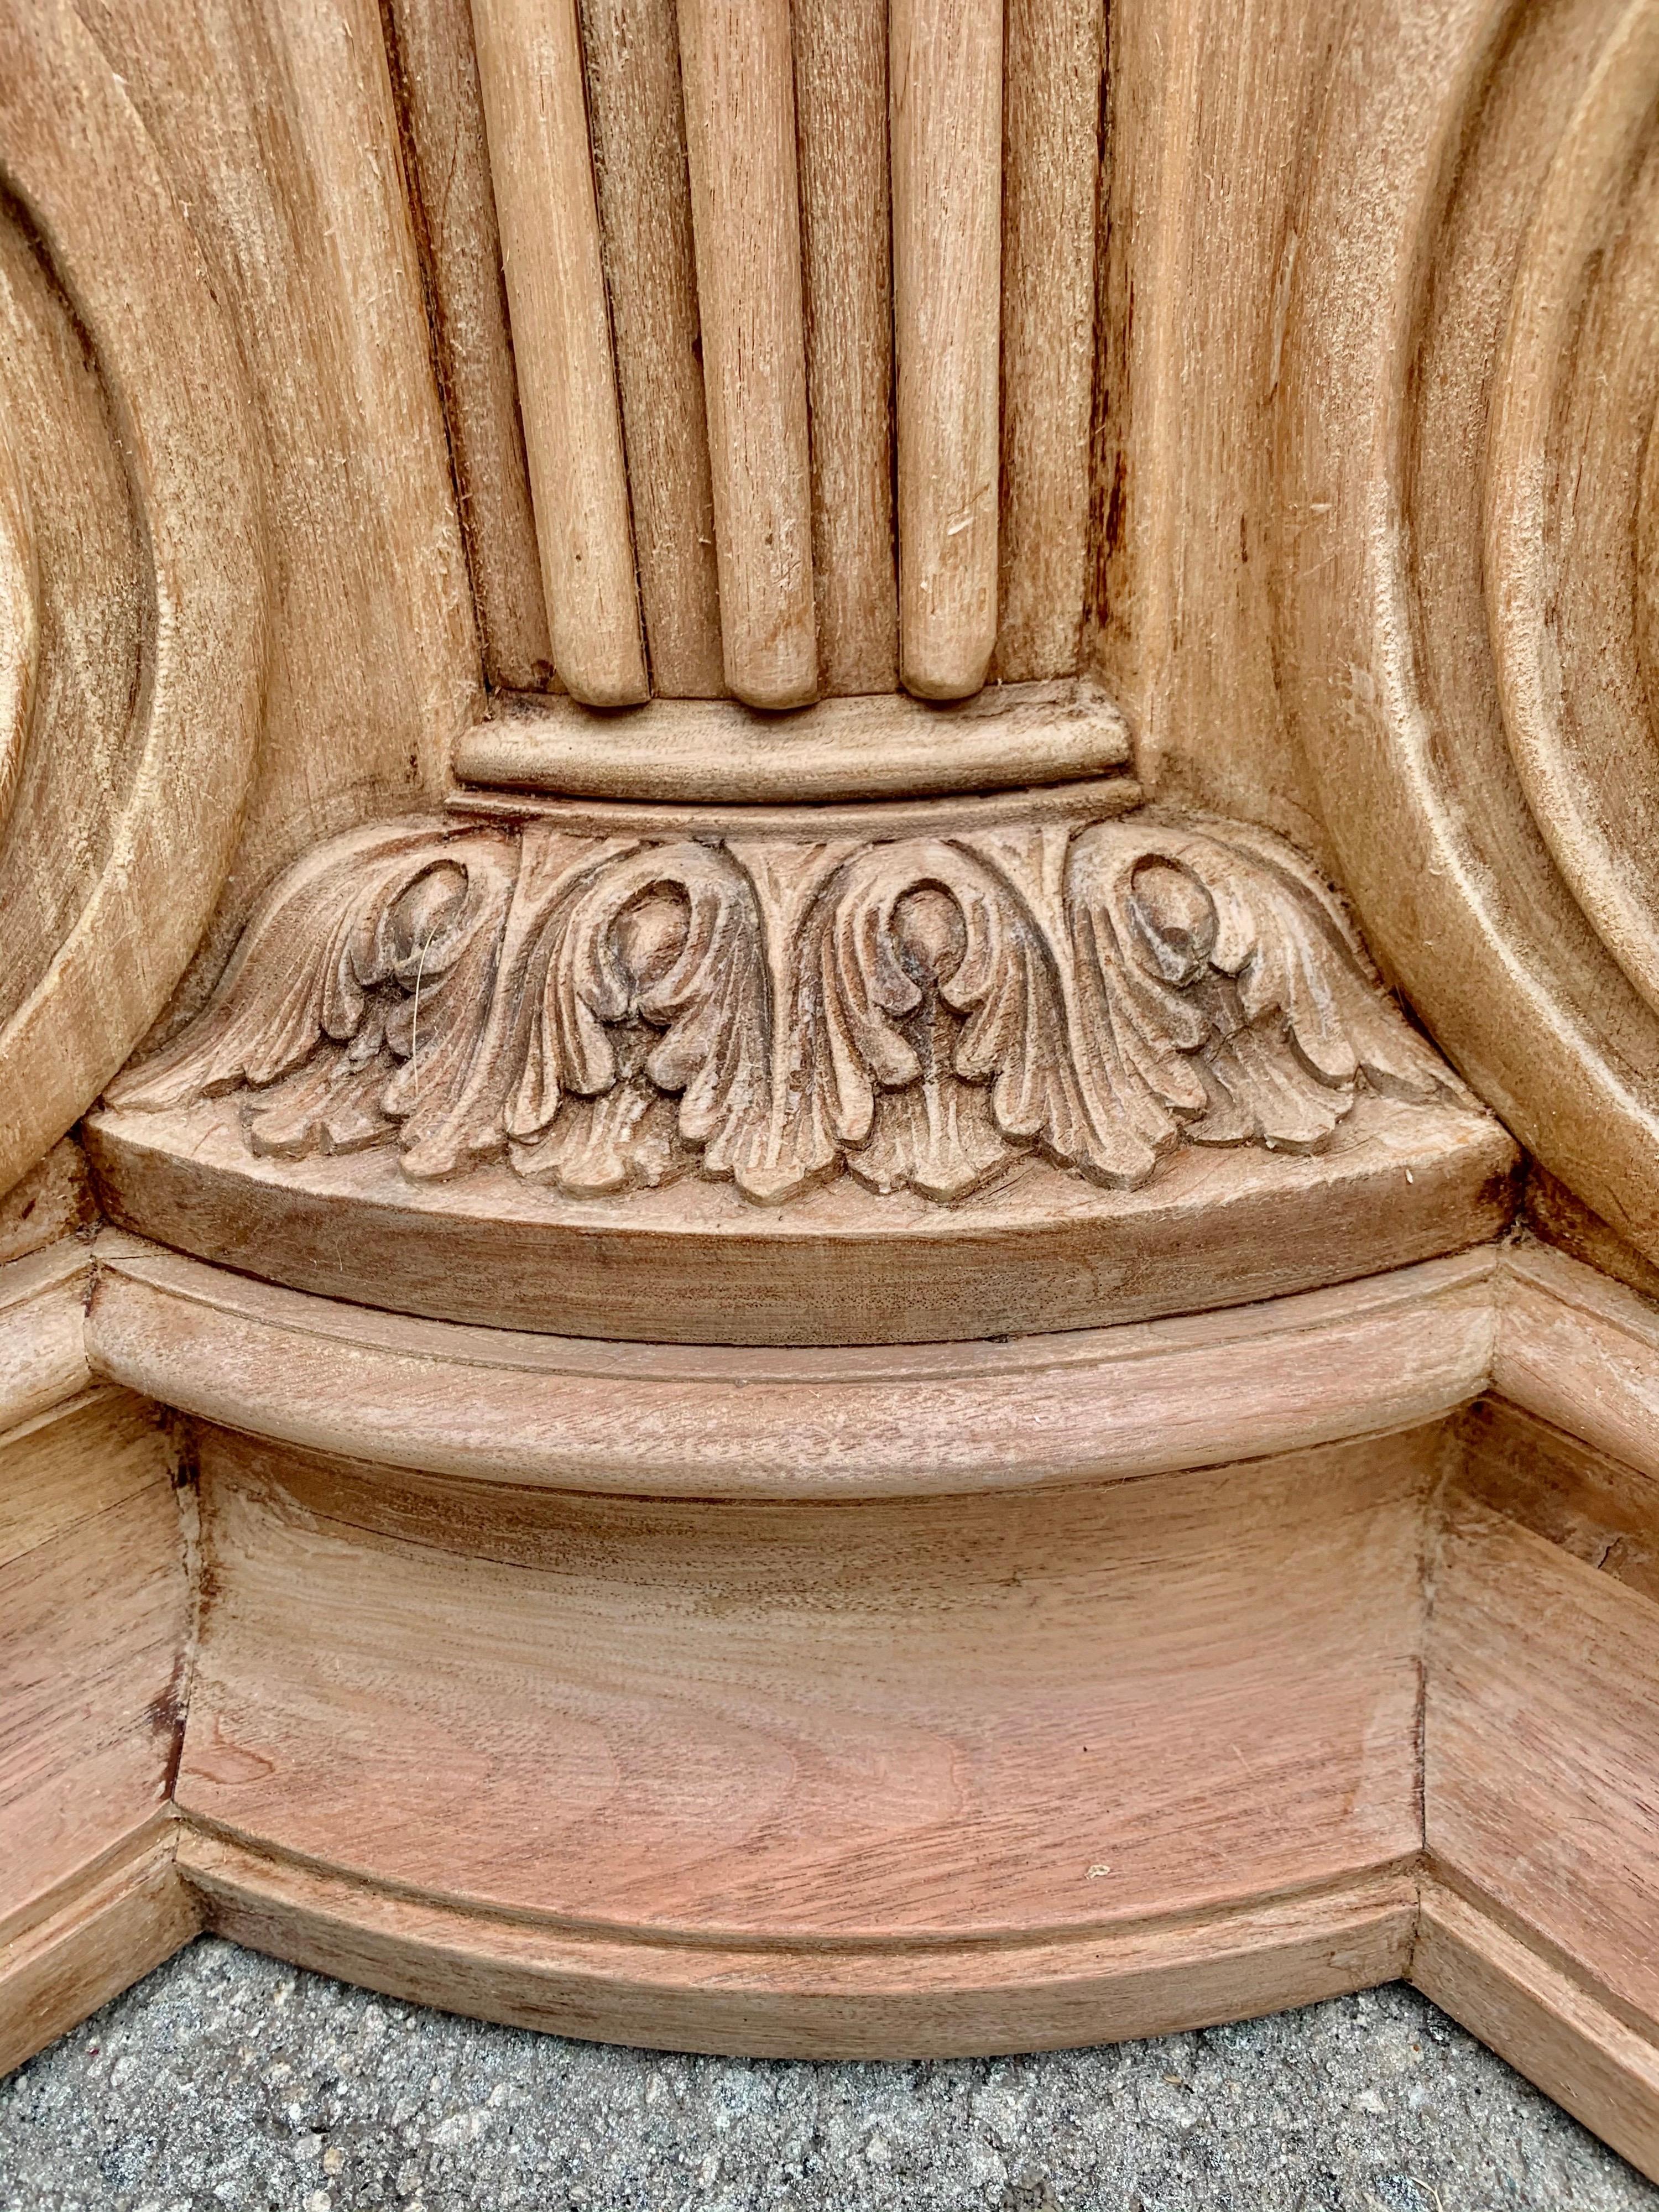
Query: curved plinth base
{"x": 1201, "y": 1690}
{"x": 695, "y": 1263}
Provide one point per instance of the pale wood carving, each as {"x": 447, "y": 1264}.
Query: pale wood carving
{"x": 805, "y": 1370}
{"x": 608, "y": 1013}
{"x": 740, "y": 133}
{"x": 530, "y": 66}
{"x": 637, "y": 124}
{"x": 441, "y": 109}
{"x": 132, "y": 649}
{"x": 946, "y": 77}
{"x": 841, "y": 119}
{"x": 1004, "y": 738}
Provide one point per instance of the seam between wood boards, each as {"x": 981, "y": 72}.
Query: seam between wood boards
{"x": 1440, "y": 1878}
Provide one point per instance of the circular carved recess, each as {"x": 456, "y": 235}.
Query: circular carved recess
{"x": 1575, "y": 397}
{"x": 1469, "y": 380}
{"x": 132, "y": 593}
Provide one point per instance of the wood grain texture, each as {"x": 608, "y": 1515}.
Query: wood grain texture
{"x": 945, "y": 81}
{"x": 89, "y": 1534}
{"x": 54, "y": 1198}
{"x": 530, "y": 67}
{"x": 1600, "y": 1510}
{"x": 1212, "y": 127}
{"x": 42, "y": 1359}
{"x": 144, "y": 691}
{"x": 1540, "y": 1739}
{"x": 1030, "y": 806}
{"x": 1394, "y": 325}
{"x": 696, "y": 1263}
{"x": 1004, "y": 738}
{"x": 95, "y": 1937}
{"x": 739, "y": 80}
{"x": 637, "y": 124}
{"x": 1582, "y": 1353}
{"x": 841, "y": 120}
{"x": 1054, "y": 57}
{"x": 931, "y": 1719}
{"x": 1565, "y": 2037}
{"x": 453, "y": 202}
{"x": 1557, "y": 1218}
{"x": 494, "y": 1406}
{"x": 275, "y": 126}
{"x": 1151, "y": 1980}
{"x": 1563, "y": 467}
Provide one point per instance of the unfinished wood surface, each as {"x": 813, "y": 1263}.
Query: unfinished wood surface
{"x": 1558, "y": 1219}
{"x": 95, "y": 1937}
{"x": 1152, "y": 1980}
{"x": 637, "y": 122}
{"x": 130, "y": 741}
{"x": 53, "y": 1200}
{"x": 694, "y": 1262}
{"x": 1581, "y": 1352}
{"x": 435, "y": 75}
{"x": 275, "y": 126}
{"x": 1212, "y": 135}
{"x": 530, "y": 66}
{"x": 841, "y": 103}
{"x": 1087, "y": 1405}
{"x": 1596, "y": 1508}
{"x": 43, "y": 1312}
{"x": 1540, "y": 1739}
{"x": 674, "y": 751}
{"x": 946, "y": 95}
{"x": 1395, "y": 327}
{"x": 929, "y": 1720}
{"x": 1567, "y": 2038}
{"x": 1054, "y": 54}
{"x": 738, "y": 78}
{"x": 93, "y": 1607}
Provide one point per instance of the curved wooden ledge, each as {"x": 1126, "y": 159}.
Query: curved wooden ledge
{"x": 496, "y": 1406}
{"x": 718, "y": 751}
{"x": 939, "y": 2000}
{"x": 695, "y": 1263}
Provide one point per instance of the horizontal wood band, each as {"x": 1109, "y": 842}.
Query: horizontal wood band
{"x": 695, "y": 1262}
{"x": 1559, "y": 2032}
{"x": 878, "y": 745}
{"x": 43, "y": 1328}
{"x": 1581, "y": 1352}
{"x": 1094, "y": 798}
{"x": 497, "y": 1405}
{"x": 97, "y": 1934}
{"x": 934, "y": 2002}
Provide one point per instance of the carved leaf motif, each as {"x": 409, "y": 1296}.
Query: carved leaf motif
{"x": 611, "y": 1013}
{"x": 1226, "y": 990}
{"x": 378, "y": 946}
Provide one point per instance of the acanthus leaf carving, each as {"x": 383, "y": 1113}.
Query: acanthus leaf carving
{"x": 608, "y": 1013}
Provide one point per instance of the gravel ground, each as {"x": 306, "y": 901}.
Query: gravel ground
{"x": 227, "y": 2079}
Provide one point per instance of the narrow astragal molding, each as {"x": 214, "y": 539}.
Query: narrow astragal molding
{"x": 500, "y": 1404}
{"x": 875, "y": 746}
